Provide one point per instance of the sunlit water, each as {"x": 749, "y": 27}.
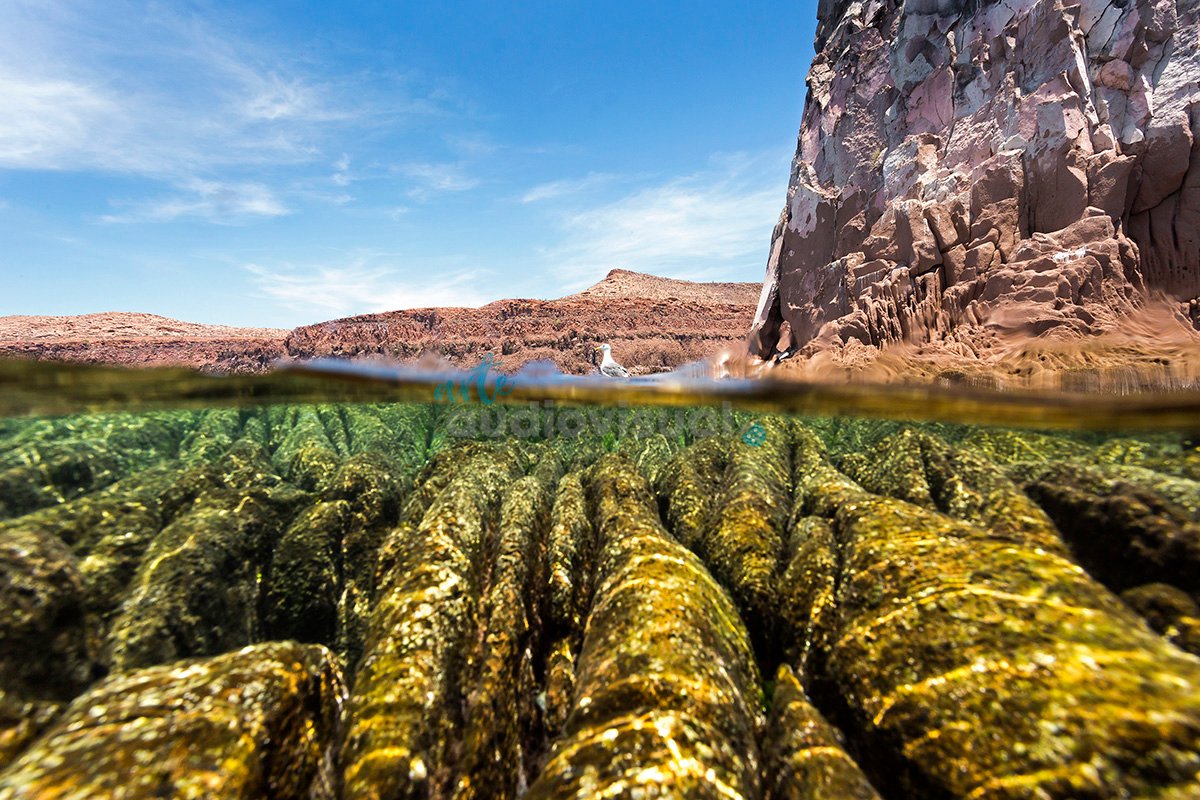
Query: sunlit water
{"x": 471, "y": 563}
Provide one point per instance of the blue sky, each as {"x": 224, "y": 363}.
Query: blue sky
{"x": 287, "y": 162}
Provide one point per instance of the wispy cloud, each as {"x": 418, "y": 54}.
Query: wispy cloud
{"x": 358, "y": 288}
{"x": 341, "y": 169}
{"x": 710, "y": 222}
{"x": 433, "y": 178}
{"x": 211, "y": 200}
{"x": 161, "y": 91}
{"x": 564, "y": 188}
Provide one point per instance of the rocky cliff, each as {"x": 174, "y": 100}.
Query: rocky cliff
{"x": 966, "y": 169}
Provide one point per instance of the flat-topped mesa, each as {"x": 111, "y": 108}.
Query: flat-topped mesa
{"x": 970, "y": 168}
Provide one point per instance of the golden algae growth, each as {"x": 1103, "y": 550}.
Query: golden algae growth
{"x": 556, "y": 601}
{"x": 258, "y": 722}
{"x": 666, "y": 696}
{"x": 806, "y": 756}
{"x": 406, "y": 709}
{"x": 988, "y": 667}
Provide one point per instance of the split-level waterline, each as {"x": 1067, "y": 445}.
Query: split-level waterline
{"x": 285, "y": 594}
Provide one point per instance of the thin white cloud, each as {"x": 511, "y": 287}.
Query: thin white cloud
{"x": 715, "y": 221}
{"x": 433, "y": 178}
{"x": 471, "y": 145}
{"x": 161, "y": 91}
{"x": 564, "y": 188}
{"x": 341, "y": 168}
{"x": 211, "y": 200}
{"x": 358, "y": 288}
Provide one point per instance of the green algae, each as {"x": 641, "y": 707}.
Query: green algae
{"x": 666, "y": 690}
{"x": 256, "y": 723}
{"x": 982, "y": 666}
{"x": 564, "y": 615}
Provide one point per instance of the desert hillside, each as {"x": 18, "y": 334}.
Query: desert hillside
{"x": 139, "y": 340}
{"x": 652, "y": 324}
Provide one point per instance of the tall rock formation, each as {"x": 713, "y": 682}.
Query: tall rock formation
{"x": 967, "y": 167}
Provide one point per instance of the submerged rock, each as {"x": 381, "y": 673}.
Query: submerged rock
{"x": 196, "y": 591}
{"x": 576, "y": 617}
{"x": 406, "y": 712}
{"x": 979, "y": 666}
{"x": 1128, "y": 526}
{"x": 260, "y": 722}
{"x": 806, "y": 758}
{"x": 666, "y": 689}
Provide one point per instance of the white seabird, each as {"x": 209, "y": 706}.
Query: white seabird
{"x": 608, "y": 367}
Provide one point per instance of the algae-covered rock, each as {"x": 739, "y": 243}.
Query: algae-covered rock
{"x": 373, "y": 487}
{"x": 650, "y": 453}
{"x": 1122, "y": 524}
{"x": 689, "y": 486}
{"x": 108, "y": 532}
{"x": 1169, "y": 611}
{"x": 807, "y": 591}
{"x": 406, "y": 707}
{"x": 61, "y": 459}
{"x": 745, "y": 540}
{"x": 560, "y": 685}
{"x": 321, "y": 576}
{"x": 21, "y": 722}
{"x": 196, "y": 591}
{"x": 213, "y": 434}
{"x": 43, "y": 629}
{"x": 921, "y": 468}
{"x": 569, "y": 553}
{"x": 304, "y": 452}
{"x": 983, "y": 667}
{"x": 806, "y": 757}
{"x": 260, "y": 722}
{"x": 304, "y": 585}
{"x": 1003, "y": 446}
{"x": 500, "y": 720}
{"x": 666, "y": 691}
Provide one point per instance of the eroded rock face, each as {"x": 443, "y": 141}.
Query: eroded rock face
{"x": 967, "y": 168}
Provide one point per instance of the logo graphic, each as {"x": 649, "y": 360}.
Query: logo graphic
{"x": 458, "y": 390}
{"x": 755, "y": 435}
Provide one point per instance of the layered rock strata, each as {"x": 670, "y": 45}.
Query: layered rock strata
{"x": 969, "y": 170}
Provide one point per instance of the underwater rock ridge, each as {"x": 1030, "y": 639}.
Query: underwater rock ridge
{"x": 352, "y": 601}
{"x": 965, "y": 170}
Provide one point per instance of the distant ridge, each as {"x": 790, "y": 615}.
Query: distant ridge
{"x": 119, "y": 325}
{"x": 652, "y": 323}
{"x": 624, "y": 283}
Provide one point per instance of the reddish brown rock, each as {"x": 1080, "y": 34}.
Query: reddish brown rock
{"x": 142, "y": 340}
{"x": 652, "y": 324}
{"x": 1039, "y": 160}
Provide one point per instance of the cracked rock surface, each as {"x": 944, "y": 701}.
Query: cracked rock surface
{"x": 967, "y": 170}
